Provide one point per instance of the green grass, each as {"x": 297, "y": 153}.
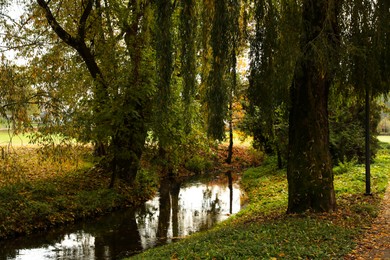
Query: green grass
{"x": 263, "y": 231}
{"x": 7, "y": 137}
{"x": 384, "y": 138}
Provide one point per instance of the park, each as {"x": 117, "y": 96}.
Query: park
{"x": 194, "y": 129}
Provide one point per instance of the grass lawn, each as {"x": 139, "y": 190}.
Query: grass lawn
{"x": 384, "y": 138}
{"x": 263, "y": 231}
{"x": 17, "y": 140}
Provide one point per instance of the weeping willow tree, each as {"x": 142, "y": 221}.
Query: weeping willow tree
{"x": 273, "y": 52}
{"x": 164, "y": 11}
{"x": 188, "y": 23}
{"x": 217, "y": 101}
{"x": 366, "y": 62}
{"x": 222, "y": 77}
{"x": 233, "y": 77}
{"x": 309, "y": 170}
{"x": 346, "y": 36}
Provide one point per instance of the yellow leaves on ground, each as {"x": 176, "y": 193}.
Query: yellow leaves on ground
{"x": 26, "y": 163}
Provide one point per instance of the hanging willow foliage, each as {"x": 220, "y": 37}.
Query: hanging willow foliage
{"x": 164, "y": 51}
{"x": 382, "y": 41}
{"x": 267, "y": 86}
{"x": 365, "y": 62}
{"x": 188, "y": 56}
{"x": 164, "y": 61}
{"x": 222, "y": 76}
{"x": 217, "y": 91}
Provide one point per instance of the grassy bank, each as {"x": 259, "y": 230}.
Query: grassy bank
{"x": 40, "y": 189}
{"x": 52, "y": 185}
{"x": 263, "y": 231}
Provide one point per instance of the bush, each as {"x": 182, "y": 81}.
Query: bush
{"x": 347, "y": 131}
{"x": 197, "y": 164}
{"x": 344, "y": 166}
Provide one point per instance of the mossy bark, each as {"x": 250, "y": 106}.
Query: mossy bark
{"x": 309, "y": 170}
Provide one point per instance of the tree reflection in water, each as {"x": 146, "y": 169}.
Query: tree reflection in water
{"x": 182, "y": 208}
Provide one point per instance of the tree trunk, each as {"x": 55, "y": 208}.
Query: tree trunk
{"x": 230, "y": 148}
{"x": 127, "y": 148}
{"x": 309, "y": 170}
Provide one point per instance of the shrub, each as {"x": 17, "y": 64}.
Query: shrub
{"x": 347, "y": 130}
{"x": 344, "y": 166}
{"x": 197, "y": 164}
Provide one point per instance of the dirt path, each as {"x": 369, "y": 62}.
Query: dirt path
{"x": 375, "y": 243}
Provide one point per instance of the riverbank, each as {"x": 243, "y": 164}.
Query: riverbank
{"x": 41, "y": 189}
{"x": 39, "y": 192}
{"x": 263, "y": 231}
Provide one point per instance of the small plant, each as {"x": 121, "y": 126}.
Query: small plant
{"x": 345, "y": 166}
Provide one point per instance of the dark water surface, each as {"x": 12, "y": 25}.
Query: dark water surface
{"x": 180, "y": 209}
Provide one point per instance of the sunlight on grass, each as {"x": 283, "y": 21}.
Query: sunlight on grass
{"x": 239, "y": 139}
{"x": 7, "y": 138}
{"x": 384, "y": 138}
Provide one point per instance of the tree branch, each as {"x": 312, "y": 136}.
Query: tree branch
{"x": 83, "y": 20}
{"x": 78, "y": 42}
{"x": 64, "y": 35}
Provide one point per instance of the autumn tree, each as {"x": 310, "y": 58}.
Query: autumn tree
{"x": 17, "y": 97}
{"x": 113, "y": 41}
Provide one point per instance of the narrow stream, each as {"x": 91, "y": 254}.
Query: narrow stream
{"x": 180, "y": 209}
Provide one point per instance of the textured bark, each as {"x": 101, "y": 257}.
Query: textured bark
{"x": 309, "y": 172}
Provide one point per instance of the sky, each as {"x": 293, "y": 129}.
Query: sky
{"x": 14, "y": 11}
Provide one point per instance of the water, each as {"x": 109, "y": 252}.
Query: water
{"x": 180, "y": 209}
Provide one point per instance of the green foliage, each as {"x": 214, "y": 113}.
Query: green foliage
{"x": 17, "y": 97}
{"x": 182, "y": 148}
{"x": 164, "y": 62}
{"x": 198, "y": 164}
{"x": 364, "y": 62}
{"x": 188, "y": 23}
{"x": 344, "y": 166}
{"x": 347, "y": 134}
{"x": 39, "y": 204}
{"x": 222, "y": 77}
{"x": 273, "y": 53}
{"x": 146, "y": 183}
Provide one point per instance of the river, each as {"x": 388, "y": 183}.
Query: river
{"x": 179, "y": 209}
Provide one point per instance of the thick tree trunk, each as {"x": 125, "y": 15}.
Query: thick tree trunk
{"x": 309, "y": 170}
{"x": 127, "y": 148}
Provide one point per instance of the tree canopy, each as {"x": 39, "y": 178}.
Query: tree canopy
{"x": 124, "y": 75}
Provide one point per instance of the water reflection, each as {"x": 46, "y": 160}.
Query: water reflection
{"x": 180, "y": 210}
